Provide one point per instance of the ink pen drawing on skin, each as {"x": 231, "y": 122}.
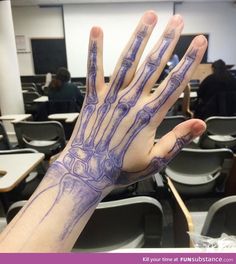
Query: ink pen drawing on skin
{"x": 92, "y": 163}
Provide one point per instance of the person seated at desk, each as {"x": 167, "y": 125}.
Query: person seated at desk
{"x": 216, "y": 93}
{"x": 115, "y": 121}
{"x": 61, "y": 89}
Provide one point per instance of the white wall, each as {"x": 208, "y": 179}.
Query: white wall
{"x": 118, "y": 22}
{"x": 35, "y": 22}
{"x": 216, "y": 19}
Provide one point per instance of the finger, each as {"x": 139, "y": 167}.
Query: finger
{"x": 131, "y": 55}
{"x": 171, "y": 88}
{"x": 165, "y": 150}
{"x": 170, "y": 144}
{"x": 152, "y": 67}
{"x": 95, "y": 76}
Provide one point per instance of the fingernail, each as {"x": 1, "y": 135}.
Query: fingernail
{"x": 149, "y": 18}
{"x": 95, "y": 32}
{"x": 200, "y": 41}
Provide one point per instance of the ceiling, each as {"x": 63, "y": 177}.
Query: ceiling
{"x": 59, "y": 2}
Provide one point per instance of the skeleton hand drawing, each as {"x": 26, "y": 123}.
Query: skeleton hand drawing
{"x": 113, "y": 140}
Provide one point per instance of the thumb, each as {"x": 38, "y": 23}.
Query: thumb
{"x": 170, "y": 144}
{"x": 165, "y": 149}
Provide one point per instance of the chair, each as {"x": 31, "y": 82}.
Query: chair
{"x": 220, "y": 133}
{"x": 55, "y": 107}
{"x": 14, "y": 209}
{"x": 126, "y": 223}
{"x": 221, "y": 218}
{"x": 30, "y": 105}
{"x": 195, "y": 172}
{"x": 168, "y": 123}
{"x": 29, "y": 97}
{"x": 47, "y": 137}
{"x": 29, "y": 89}
{"x": 28, "y": 84}
{"x": 4, "y": 141}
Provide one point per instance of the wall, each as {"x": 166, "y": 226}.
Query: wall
{"x": 118, "y": 22}
{"x": 35, "y": 22}
{"x": 216, "y": 19}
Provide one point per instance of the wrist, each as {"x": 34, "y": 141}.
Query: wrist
{"x": 68, "y": 199}
{"x": 69, "y": 182}
{"x": 88, "y": 167}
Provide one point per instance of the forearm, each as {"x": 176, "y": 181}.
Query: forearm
{"x": 55, "y": 215}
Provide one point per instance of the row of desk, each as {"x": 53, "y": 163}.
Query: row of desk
{"x": 10, "y": 175}
{"x": 15, "y": 167}
{"x": 67, "y": 117}
{"x": 44, "y": 98}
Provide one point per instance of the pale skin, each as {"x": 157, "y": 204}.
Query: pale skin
{"x": 117, "y": 123}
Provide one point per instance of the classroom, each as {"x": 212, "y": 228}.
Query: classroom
{"x": 117, "y": 125}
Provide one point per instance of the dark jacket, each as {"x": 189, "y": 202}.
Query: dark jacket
{"x": 67, "y": 92}
{"x": 215, "y": 96}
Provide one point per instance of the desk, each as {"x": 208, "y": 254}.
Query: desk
{"x": 15, "y": 167}
{"x": 182, "y": 219}
{"x": 15, "y": 118}
{"x": 68, "y": 117}
{"x": 41, "y": 99}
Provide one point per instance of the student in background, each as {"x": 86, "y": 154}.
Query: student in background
{"x": 216, "y": 93}
{"x": 106, "y": 149}
{"x": 61, "y": 89}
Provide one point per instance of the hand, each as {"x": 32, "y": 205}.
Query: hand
{"x": 113, "y": 142}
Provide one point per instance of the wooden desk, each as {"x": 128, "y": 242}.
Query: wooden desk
{"x": 15, "y": 167}
{"x": 15, "y": 117}
{"x": 68, "y": 117}
{"x": 41, "y": 99}
{"x": 183, "y": 221}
